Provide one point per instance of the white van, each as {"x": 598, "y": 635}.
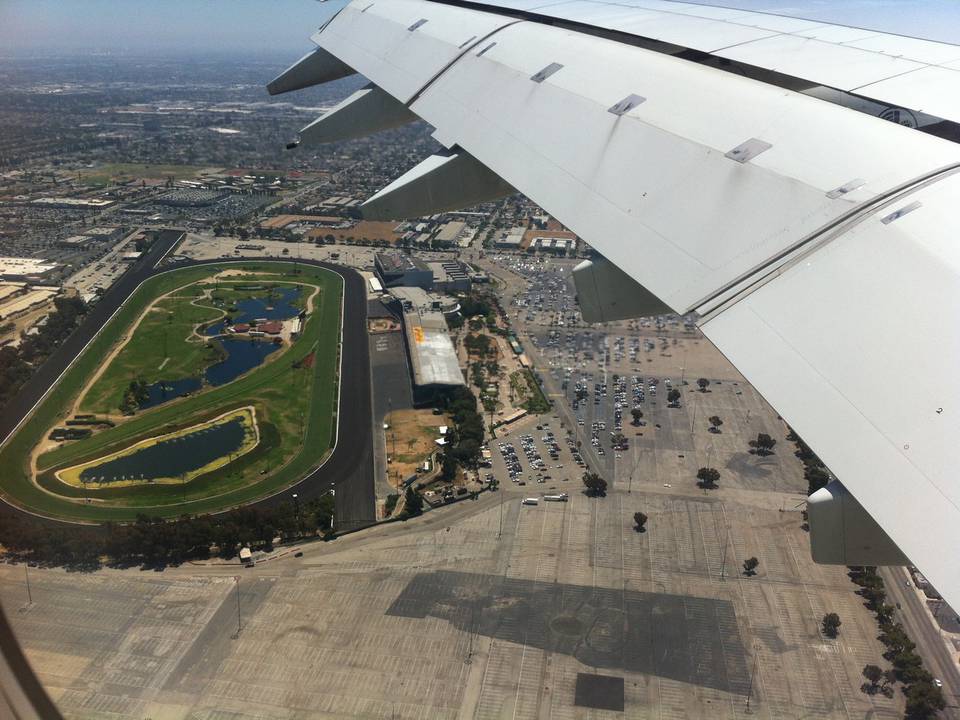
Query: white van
{"x": 530, "y": 501}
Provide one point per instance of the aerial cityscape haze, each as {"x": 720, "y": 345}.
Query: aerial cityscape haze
{"x": 273, "y": 449}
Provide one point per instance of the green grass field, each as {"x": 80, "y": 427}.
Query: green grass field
{"x": 296, "y": 408}
{"x": 162, "y": 347}
{"x": 105, "y": 173}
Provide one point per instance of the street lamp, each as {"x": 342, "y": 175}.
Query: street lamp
{"x": 296, "y": 504}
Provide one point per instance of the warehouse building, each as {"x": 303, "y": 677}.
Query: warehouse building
{"x": 433, "y": 359}
{"x": 26, "y": 269}
{"x": 511, "y": 239}
{"x": 396, "y": 269}
{"x": 73, "y": 203}
{"x": 450, "y": 276}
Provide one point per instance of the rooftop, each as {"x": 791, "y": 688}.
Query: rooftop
{"x": 399, "y": 262}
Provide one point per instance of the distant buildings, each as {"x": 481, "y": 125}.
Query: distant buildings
{"x": 91, "y": 237}
{"x": 76, "y": 242}
{"x": 104, "y": 234}
{"x": 17, "y": 299}
{"x": 33, "y": 270}
{"x": 556, "y": 245}
{"x": 451, "y": 232}
{"x": 510, "y": 240}
{"x": 73, "y": 203}
{"x": 450, "y": 276}
{"x": 340, "y": 202}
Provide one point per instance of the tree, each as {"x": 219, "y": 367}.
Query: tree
{"x": 413, "y": 503}
{"x": 873, "y": 674}
{"x": 673, "y": 397}
{"x": 640, "y": 522}
{"x": 715, "y": 423}
{"x": 897, "y": 641}
{"x": 831, "y": 625}
{"x": 708, "y": 478}
{"x": 750, "y": 566}
{"x": 595, "y": 485}
{"x": 637, "y": 414}
{"x": 924, "y": 700}
{"x": 763, "y": 445}
{"x": 703, "y": 383}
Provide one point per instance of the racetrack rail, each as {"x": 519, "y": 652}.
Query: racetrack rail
{"x": 349, "y": 467}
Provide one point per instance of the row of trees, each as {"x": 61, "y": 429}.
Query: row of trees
{"x": 153, "y": 542}
{"x": 17, "y": 364}
{"x": 814, "y": 471}
{"x": 464, "y": 442}
{"x": 924, "y": 698}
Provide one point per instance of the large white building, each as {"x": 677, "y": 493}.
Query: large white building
{"x": 28, "y": 269}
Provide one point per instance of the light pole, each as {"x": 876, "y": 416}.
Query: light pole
{"x": 236, "y": 579}
{"x": 296, "y": 505}
{"x": 500, "y": 493}
{"x": 723, "y": 560}
{"x": 753, "y": 672}
{"x": 333, "y": 492}
{"x": 26, "y": 574}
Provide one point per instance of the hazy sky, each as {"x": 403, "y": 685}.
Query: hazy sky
{"x": 284, "y": 26}
{"x": 160, "y": 26}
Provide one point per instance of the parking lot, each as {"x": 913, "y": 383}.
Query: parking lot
{"x": 485, "y": 609}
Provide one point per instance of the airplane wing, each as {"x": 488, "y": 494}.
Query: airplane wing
{"x": 736, "y": 165}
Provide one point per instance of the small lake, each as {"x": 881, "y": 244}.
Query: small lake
{"x": 173, "y": 457}
{"x": 243, "y": 354}
{"x": 278, "y": 306}
{"x": 165, "y": 390}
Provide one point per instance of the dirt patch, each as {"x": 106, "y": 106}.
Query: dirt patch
{"x": 382, "y": 325}
{"x": 306, "y": 362}
{"x": 411, "y": 437}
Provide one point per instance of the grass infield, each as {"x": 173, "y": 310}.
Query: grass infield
{"x": 295, "y": 404}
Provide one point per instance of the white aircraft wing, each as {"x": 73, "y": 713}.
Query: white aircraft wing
{"x": 733, "y": 164}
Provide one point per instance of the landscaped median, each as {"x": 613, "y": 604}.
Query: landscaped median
{"x": 287, "y": 406}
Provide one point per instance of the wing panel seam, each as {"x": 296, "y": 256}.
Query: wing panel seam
{"x": 463, "y": 51}
{"x": 748, "y": 283}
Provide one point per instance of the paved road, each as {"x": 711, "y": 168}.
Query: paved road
{"x": 349, "y": 468}
{"x": 919, "y": 625}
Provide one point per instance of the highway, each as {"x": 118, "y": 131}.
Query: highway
{"x": 349, "y": 468}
